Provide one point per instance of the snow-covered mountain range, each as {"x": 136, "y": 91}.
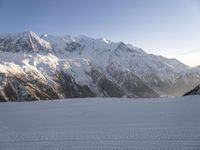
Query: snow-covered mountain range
{"x": 34, "y": 67}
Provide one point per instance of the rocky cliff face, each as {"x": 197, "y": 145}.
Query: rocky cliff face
{"x": 195, "y": 91}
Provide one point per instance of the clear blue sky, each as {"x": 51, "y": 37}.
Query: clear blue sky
{"x": 166, "y": 27}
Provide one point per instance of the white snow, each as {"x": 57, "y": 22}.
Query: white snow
{"x": 101, "y": 124}
{"x": 15, "y": 37}
{"x": 57, "y": 41}
{"x": 103, "y": 52}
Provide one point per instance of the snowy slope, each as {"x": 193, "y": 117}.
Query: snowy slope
{"x": 166, "y": 76}
{"x": 40, "y": 72}
{"x": 101, "y": 124}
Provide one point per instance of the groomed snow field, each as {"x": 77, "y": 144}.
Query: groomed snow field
{"x": 101, "y": 124}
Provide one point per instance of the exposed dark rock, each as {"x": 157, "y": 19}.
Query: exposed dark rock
{"x": 195, "y": 91}
{"x": 71, "y": 89}
{"x": 130, "y": 83}
{"x": 106, "y": 87}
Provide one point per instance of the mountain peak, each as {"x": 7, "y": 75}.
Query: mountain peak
{"x": 23, "y": 41}
{"x": 29, "y": 32}
{"x": 44, "y": 35}
{"x": 121, "y": 45}
{"x": 83, "y": 37}
{"x": 103, "y": 39}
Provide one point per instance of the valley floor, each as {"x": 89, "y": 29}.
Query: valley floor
{"x": 101, "y": 124}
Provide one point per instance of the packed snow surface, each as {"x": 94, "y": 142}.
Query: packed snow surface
{"x": 101, "y": 124}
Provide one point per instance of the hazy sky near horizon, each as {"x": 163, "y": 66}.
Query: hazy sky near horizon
{"x": 166, "y": 27}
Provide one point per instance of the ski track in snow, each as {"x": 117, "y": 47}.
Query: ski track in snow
{"x": 101, "y": 124}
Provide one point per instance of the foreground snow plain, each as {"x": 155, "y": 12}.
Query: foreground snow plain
{"x": 101, "y": 124}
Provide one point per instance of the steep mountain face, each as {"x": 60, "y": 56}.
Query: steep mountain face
{"x": 27, "y": 41}
{"x": 54, "y": 67}
{"x": 195, "y": 91}
{"x": 165, "y": 76}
